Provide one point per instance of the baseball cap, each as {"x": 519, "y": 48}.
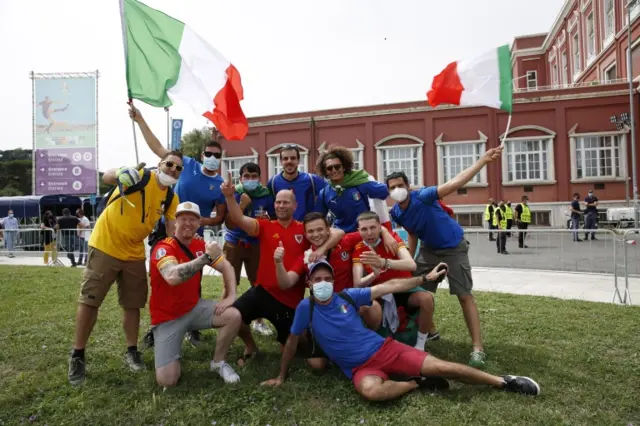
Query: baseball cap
{"x": 188, "y": 207}
{"x": 321, "y": 262}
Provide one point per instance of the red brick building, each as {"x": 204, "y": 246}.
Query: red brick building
{"x": 561, "y": 138}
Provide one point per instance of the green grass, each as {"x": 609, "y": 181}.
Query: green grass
{"x": 584, "y": 355}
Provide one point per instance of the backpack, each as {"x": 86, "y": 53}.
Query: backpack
{"x": 159, "y": 231}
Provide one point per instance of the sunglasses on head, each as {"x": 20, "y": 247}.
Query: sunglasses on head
{"x": 208, "y": 154}
{"x": 171, "y": 165}
{"x": 333, "y": 167}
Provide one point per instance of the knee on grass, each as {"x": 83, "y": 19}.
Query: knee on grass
{"x": 168, "y": 375}
{"x": 317, "y": 363}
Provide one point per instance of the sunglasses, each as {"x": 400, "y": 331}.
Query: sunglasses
{"x": 171, "y": 165}
{"x": 208, "y": 154}
{"x": 333, "y": 167}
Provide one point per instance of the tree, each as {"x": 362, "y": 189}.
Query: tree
{"x": 194, "y": 141}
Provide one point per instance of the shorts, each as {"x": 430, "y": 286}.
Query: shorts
{"x": 240, "y": 253}
{"x": 393, "y": 357}
{"x": 258, "y": 303}
{"x": 457, "y": 258}
{"x": 402, "y": 299}
{"x": 168, "y": 336}
{"x": 103, "y": 270}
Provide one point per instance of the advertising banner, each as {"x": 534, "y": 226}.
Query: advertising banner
{"x": 176, "y": 133}
{"x": 65, "y": 160}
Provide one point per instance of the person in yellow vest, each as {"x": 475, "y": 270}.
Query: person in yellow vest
{"x": 500, "y": 223}
{"x": 523, "y": 219}
{"x": 488, "y": 216}
{"x": 508, "y": 213}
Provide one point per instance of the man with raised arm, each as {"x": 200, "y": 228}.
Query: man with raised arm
{"x": 366, "y": 357}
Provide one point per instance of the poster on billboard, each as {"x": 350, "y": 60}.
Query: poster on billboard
{"x": 65, "y": 134}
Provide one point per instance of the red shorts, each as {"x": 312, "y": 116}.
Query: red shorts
{"x": 393, "y": 357}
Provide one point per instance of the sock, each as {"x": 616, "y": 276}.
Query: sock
{"x": 78, "y": 353}
{"x": 422, "y": 339}
{"x": 132, "y": 349}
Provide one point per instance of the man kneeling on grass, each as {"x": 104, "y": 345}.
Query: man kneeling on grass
{"x": 176, "y": 307}
{"x": 367, "y": 358}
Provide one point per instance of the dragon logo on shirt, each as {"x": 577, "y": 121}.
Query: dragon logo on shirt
{"x": 299, "y": 238}
{"x": 344, "y": 256}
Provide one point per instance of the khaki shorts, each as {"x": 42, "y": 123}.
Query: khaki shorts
{"x": 103, "y": 270}
{"x": 457, "y": 259}
{"x": 240, "y": 253}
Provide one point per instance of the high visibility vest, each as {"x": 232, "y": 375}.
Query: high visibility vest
{"x": 508, "y": 213}
{"x": 525, "y": 216}
{"x": 487, "y": 213}
{"x": 503, "y": 219}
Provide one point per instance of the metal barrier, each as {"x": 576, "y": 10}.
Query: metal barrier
{"x": 35, "y": 242}
{"x": 628, "y": 240}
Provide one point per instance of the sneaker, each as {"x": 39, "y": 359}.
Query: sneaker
{"x": 76, "y": 371}
{"x": 193, "y": 337}
{"x": 262, "y": 328}
{"x": 431, "y": 383}
{"x": 147, "y": 341}
{"x": 225, "y": 371}
{"x": 477, "y": 359}
{"x": 520, "y": 384}
{"x": 134, "y": 361}
{"x": 434, "y": 336}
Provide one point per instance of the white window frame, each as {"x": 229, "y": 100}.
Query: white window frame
{"x": 253, "y": 158}
{"x": 273, "y": 158}
{"x": 564, "y": 65}
{"x": 635, "y": 11}
{"x": 358, "y": 153}
{"x": 442, "y": 147}
{"x": 606, "y": 70}
{"x": 549, "y": 137}
{"x": 622, "y": 155}
{"x": 577, "y": 55}
{"x": 534, "y": 80}
{"x": 554, "y": 74}
{"x": 590, "y": 44}
{"x": 608, "y": 37}
{"x": 418, "y": 145}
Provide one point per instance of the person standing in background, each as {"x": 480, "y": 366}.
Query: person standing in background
{"x": 488, "y": 216}
{"x": 11, "y": 227}
{"x": 48, "y": 227}
{"x": 508, "y": 213}
{"x": 575, "y": 216}
{"x": 84, "y": 233}
{"x": 68, "y": 224}
{"x": 590, "y": 215}
{"x": 523, "y": 219}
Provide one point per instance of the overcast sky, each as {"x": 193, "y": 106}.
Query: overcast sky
{"x": 293, "y": 55}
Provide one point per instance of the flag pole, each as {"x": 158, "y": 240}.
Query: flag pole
{"x": 133, "y": 127}
{"x": 506, "y": 131}
{"x": 166, "y": 109}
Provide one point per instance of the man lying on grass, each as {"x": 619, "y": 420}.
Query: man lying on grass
{"x": 176, "y": 306}
{"x": 366, "y": 357}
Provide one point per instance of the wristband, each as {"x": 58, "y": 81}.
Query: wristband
{"x": 209, "y": 258}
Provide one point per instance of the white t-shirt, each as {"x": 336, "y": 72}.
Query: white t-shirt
{"x": 85, "y": 233}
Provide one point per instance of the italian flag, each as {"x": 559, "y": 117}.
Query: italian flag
{"x": 167, "y": 61}
{"x": 484, "y": 80}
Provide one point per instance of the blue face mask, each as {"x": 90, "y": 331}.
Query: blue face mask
{"x": 374, "y": 245}
{"x": 323, "y": 290}
{"x": 211, "y": 163}
{"x": 251, "y": 185}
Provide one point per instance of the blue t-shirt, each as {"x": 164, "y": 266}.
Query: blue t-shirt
{"x": 199, "y": 188}
{"x": 302, "y": 188}
{"x": 265, "y": 203}
{"x": 425, "y": 218}
{"x": 339, "y": 331}
{"x": 353, "y": 201}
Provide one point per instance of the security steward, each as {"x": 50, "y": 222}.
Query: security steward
{"x": 488, "y": 216}
{"x": 523, "y": 219}
{"x": 500, "y": 223}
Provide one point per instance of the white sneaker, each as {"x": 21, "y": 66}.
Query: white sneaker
{"x": 225, "y": 371}
{"x": 262, "y": 328}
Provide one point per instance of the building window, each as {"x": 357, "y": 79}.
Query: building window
{"x": 564, "y": 70}
{"x": 457, "y": 157}
{"x": 405, "y": 158}
{"x": 234, "y": 164}
{"x": 357, "y": 158}
{"x": 575, "y": 48}
{"x": 609, "y": 21}
{"x": 610, "y": 74}
{"x": 554, "y": 75}
{"x": 528, "y": 160}
{"x": 598, "y": 157}
{"x": 273, "y": 160}
{"x": 591, "y": 39}
{"x": 470, "y": 219}
{"x": 635, "y": 10}
{"x": 532, "y": 80}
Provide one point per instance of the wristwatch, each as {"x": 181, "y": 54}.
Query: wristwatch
{"x": 209, "y": 258}
{"x": 425, "y": 280}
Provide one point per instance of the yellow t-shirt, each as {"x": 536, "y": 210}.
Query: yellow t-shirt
{"x": 122, "y": 235}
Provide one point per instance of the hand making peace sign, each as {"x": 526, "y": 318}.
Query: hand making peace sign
{"x": 228, "y": 188}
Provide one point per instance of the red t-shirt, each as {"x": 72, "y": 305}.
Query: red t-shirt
{"x": 169, "y": 302}
{"x": 271, "y": 233}
{"x": 339, "y": 258}
{"x": 383, "y": 253}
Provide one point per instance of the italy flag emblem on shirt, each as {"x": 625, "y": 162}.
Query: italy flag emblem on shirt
{"x": 343, "y": 309}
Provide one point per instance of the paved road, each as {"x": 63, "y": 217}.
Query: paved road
{"x": 555, "y": 251}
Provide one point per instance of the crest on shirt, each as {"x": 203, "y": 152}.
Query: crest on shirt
{"x": 356, "y": 196}
{"x": 299, "y": 238}
{"x": 160, "y": 253}
{"x": 199, "y": 253}
{"x": 344, "y": 255}
{"x": 343, "y": 309}
{"x": 212, "y": 187}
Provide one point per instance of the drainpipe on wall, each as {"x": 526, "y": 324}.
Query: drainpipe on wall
{"x": 313, "y": 148}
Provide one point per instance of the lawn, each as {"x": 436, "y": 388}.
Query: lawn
{"x": 585, "y": 356}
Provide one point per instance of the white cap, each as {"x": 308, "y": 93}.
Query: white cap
{"x": 188, "y": 207}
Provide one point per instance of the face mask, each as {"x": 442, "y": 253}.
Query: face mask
{"x": 374, "y": 245}
{"x": 165, "y": 179}
{"x": 211, "y": 163}
{"x": 323, "y": 290}
{"x": 399, "y": 194}
{"x": 10, "y": 214}
{"x": 251, "y": 185}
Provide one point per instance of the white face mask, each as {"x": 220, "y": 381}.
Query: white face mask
{"x": 399, "y": 194}
{"x": 323, "y": 290}
{"x": 165, "y": 179}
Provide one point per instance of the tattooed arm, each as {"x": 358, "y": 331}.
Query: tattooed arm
{"x": 175, "y": 273}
